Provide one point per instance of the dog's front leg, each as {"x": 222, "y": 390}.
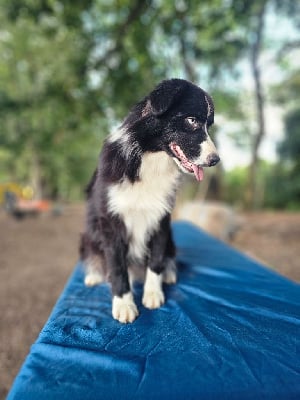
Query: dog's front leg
{"x": 153, "y": 294}
{"x": 123, "y": 307}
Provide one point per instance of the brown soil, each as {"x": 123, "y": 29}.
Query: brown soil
{"x": 273, "y": 239}
{"x": 38, "y": 254}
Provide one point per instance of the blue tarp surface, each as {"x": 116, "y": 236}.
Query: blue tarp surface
{"x": 230, "y": 329}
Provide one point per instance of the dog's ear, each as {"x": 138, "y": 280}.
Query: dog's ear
{"x": 211, "y": 109}
{"x": 166, "y": 94}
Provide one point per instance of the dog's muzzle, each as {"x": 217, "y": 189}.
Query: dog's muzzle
{"x": 212, "y": 159}
{"x": 206, "y": 159}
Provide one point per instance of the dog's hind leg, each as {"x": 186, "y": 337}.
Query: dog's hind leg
{"x": 94, "y": 270}
{"x": 170, "y": 271}
{"x": 93, "y": 262}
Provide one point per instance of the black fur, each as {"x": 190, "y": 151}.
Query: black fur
{"x": 152, "y": 125}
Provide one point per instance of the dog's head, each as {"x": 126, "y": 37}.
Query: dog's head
{"x": 179, "y": 114}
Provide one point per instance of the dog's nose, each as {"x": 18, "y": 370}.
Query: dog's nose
{"x": 213, "y": 159}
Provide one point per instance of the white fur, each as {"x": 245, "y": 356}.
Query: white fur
{"x": 170, "y": 272}
{"x": 121, "y": 136}
{"x": 143, "y": 203}
{"x": 153, "y": 295}
{"x": 206, "y": 148}
{"x": 124, "y": 309}
{"x": 93, "y": 276}
{"x": 116, "y": 135}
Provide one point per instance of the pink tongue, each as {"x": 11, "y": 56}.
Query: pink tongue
{"x": 198, "y": 172}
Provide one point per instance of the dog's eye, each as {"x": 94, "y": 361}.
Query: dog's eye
{"x": 193, "y": 122}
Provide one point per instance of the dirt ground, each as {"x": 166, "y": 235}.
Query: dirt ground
{"x": 38, "y": 254}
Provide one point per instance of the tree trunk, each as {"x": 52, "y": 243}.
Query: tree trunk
{"x": 36, "y": 180}
{"x": 251, "y": 195}
{"x": 187, "y": 62}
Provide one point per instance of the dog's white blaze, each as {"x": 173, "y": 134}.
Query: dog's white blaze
{"x": 206, "y": 148}
{"x": 142, "y": 204}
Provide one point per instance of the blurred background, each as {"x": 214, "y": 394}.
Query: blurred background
{"x": 69, "y": 72}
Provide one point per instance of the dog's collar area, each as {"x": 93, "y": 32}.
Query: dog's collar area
{"x": 184, "y": 162}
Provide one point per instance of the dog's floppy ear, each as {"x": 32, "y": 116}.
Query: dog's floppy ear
{"x": 165, "y": 94}
{"x": 211, "y": 109}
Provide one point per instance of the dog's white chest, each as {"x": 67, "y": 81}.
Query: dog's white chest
{"x": 141, "y": 205}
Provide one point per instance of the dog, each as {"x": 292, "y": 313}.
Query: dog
{"x": 132, "y": 193}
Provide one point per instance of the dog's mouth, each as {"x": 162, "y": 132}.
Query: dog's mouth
{"x": 185, "y": 164}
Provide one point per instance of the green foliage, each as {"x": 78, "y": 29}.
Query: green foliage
{"x": 47, "y": 121}
{"x": 287, "y": 92}
{"x": 70, "y": 69}
{"x": 278, "y": 186}
{"x": 286, "y": 177}
{"x": 289, "y": 149}
{"x": 235, "y": 183}
{"x": 282, "y": 188}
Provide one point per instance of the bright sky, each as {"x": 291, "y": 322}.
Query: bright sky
{"x": 233, "y": 156}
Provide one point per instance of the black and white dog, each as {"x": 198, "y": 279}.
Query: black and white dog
{"x": 132, "y": 192}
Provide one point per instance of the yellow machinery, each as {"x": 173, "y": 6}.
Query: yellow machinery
{"x": 18, "y": 200}
{"x": 21, "y": 192}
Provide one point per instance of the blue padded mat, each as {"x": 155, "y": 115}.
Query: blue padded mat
{"x": 228, "y": 330}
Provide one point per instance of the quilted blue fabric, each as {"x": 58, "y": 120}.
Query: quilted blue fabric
{"x": 229, "y": 330}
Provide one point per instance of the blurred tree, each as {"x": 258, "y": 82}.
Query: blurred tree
{"x": 71, "y": 69}
{"x": 235, "y": 184}
{"x": 66, "y": 63}
{"x": 138, "y": 43}
{"x": 285, "y": 179}
{"x": 289, "y": 152}
{"x": 289, "y": 148}
{"x": 48, "y": 116}
{"x": 259, "y": 13}
{"x": 257, "y": 34}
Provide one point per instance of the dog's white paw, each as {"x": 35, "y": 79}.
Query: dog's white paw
{"x": 93, "y": 278}
{"x": 153, "y": 295}
{"x": 153, "y": 299}
{"x": 124, "y": 309}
